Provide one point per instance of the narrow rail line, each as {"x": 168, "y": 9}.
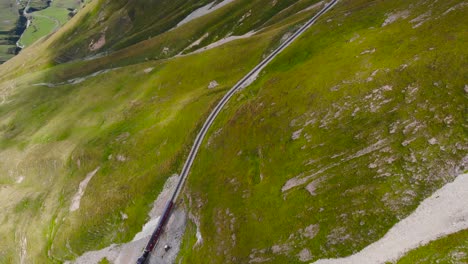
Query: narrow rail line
{"x": 209, "y": 121}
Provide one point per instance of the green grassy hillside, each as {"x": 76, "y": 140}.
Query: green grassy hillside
{"x": 450, "y": 249}
{"x": 337, "y": 140}
{"x": 134, "y": 121}
{"x": 340, "y": 138}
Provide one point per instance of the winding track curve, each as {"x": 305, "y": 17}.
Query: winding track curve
{"x": 209, "y": 121}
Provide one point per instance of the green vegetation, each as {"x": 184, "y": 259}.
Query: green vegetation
{"x": 150, "y": 125}
{"x": 47, "y": 19}
{"x": 29, "y": 204}
{"x": 6, "y": 52}
{"x": 8, "y": 19}
{"x": 104, "y": 261}
{"x": 59, "y": 14}
{"x": 374, "y": 115}
{"x": 450, "y": 249}
{"x": 40, "y": 26}
{"x": 136, "y": 123}
{"x": 8, "y": 14}
{"x": 34, "y": 4}
{"x": 369, "y": 116}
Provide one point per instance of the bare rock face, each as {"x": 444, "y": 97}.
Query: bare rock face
{"x": 213, "y": 84}
{"x": 311, "y": 231}
{"x": 305, "y": 255}
{"x": 93, "y": 46}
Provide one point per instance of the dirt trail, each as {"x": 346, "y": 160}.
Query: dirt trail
{"x": 204, "y": 11}
{"x": 75, "y": 205}
{"x": 224, "y": 41}
{"x": 131, "y": 251}
{"x": 444, "y": 213}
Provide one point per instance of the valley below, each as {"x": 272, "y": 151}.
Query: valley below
{"x": 26, "y": 21}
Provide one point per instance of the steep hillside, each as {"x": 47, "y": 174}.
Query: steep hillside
{"x": 130, "y": 122}
{"x": 342, "y": 136}
{"x": 339, "y": 139}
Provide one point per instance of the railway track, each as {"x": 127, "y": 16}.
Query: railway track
{"x": 209, "y": 121}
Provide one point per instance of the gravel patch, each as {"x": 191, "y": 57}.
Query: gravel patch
{"x": 314, "y": 6}
{"x": 418, "y": 21}
{"x": 310, "y": 232}
{"x": 197, "y": 42}
{"x": 93, "y": 46}
{"x": 395, "y": 16}
{"x": 312, "y": 186}
{"x": 304, "y": 255}
{"x": 296, "y": 134}
{"x": 75, "y": 205}
{"x": 455, "y": 7}
{"x": 20, "y": 179}
{"x": 131, "y": 251}
{"x": 222, "y": 42}
{"x": 444, "y": 213}
{"x": 213, "y": 84}
{"x": 172, "y": 237}
{"x": 77, "y": 80}
{"x": 203, "y": 11}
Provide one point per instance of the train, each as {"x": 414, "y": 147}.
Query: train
{"x": 157, "y": 233}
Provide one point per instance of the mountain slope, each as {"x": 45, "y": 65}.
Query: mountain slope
{"x": 342, "y": 136}
{"x": 130, "y": 125}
